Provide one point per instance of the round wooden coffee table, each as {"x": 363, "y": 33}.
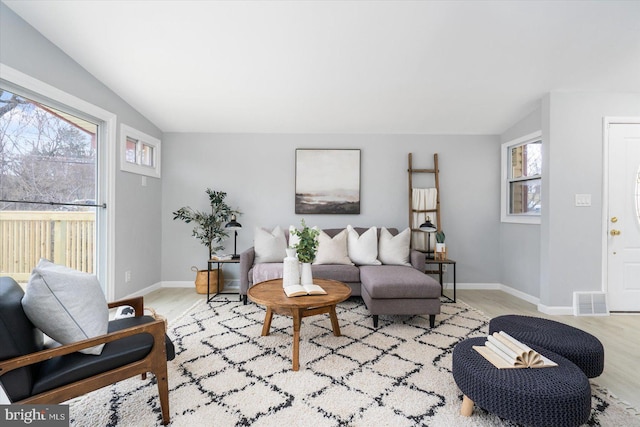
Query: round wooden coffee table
{"x": 271, "y": 295}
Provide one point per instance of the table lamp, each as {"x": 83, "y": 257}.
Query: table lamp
{"x": 428, "y": 228}
{"x": 235, "y": 226}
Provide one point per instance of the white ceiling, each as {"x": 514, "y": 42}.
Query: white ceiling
{"x": 463, "y": 67}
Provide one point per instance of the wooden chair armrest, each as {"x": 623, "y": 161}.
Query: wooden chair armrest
{"x": 155, "y": 328}
{"x": 137, "y": 303}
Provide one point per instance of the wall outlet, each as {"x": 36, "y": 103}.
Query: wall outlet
{"x": 444, "y": 268}
{"x": 127, "y": 276}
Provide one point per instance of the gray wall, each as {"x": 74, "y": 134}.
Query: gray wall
{"x": 520, "y": 243}
{"x": 258, "y": 173}
{"x": 137, "y": 234}
{"x": 571, "y": 237}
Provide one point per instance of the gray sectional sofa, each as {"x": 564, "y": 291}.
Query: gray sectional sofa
{"x": 386, "y": 289}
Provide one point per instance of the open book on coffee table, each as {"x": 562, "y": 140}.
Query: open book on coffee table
{"x": 506, "y": 352}
{"x": 299, "y": 290}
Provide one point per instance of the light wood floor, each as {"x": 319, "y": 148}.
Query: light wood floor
{"x": 620, "y": 334}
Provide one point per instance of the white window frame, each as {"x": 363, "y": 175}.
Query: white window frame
{"x": 105, "y": 256}
{"x": 143, "y": 139}
{"x": 505, "y": 159}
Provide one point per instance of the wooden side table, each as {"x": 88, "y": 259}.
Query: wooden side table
{"x": 440, "y": 262}
{"x": 218, "y": 262}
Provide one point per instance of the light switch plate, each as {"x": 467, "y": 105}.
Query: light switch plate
{"x": 583, "y": 199}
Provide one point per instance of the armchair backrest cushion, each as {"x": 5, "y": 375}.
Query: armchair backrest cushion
{"x": 66, "y": 304}
{"x": 18, "y": 337}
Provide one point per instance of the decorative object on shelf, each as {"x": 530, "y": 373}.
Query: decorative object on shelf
{"x": 306, "y": 248}
{"x": 440, "y": 246}
{"x": 209, "y": 228}
{"x": 429, "y": 228}
{"x": 235, "y": 226}
{"x": 290, "y": 269}
{"x": 327, "y": 181}
{"x": 441, "y": 249}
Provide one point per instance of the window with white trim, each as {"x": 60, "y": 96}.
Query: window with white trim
{"x": 521, "y": 190}
{"x": 139, "y": 152}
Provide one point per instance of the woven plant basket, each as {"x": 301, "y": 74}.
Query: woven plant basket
{"x": 201, "y": 280}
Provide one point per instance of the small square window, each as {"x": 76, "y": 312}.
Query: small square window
{"x": 140, "y": 153}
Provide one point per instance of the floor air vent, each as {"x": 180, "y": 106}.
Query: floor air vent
{"x": 590, "y": 304}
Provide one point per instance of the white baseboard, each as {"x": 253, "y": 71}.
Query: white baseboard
{"x": 234, "y": 286}
{"x": 555, "y": 310}
{"x": 550, "y": 310}
{"x": 143, "y": 292}
{"x": 229, "y": 285}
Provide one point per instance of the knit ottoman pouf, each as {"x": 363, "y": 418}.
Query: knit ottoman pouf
{"x": 545, "y": 397}
{"x": 580, "y": 347}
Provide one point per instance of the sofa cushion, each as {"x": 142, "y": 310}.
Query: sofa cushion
{"x": 396, "y": 281}
{"x": 332, "y": 250}
{"x": 363, "y": 248}
{"x": 394, "y": 250}
{"x": 340, "y": 272}
{"x": 270, "y": 246}
{"x": 66, "y": 304}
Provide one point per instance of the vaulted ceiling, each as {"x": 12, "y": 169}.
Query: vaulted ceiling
{"x": 461, "y": 67}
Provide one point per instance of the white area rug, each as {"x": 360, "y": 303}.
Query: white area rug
{"x": 226, "y": 374}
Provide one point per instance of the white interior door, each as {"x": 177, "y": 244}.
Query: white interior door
{"x": 623, "y": 231}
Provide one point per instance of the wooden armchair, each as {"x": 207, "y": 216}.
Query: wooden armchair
{"x": 32, "y": 374}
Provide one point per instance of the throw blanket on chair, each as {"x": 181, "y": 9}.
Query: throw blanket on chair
{"x": 423, "y": 198}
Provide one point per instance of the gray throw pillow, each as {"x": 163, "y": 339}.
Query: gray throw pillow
{"x": 66, "y": 304}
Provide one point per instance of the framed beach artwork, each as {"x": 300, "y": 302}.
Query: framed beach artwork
{"x": 327, "y": 181}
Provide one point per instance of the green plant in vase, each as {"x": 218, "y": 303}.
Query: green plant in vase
{"x": 440, "y": 246}
{"x": 306, "y": 248}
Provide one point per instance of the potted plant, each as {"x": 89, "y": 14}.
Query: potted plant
{"x": 209, "y": 228}
{"x": 306, "y": 248}
{"x": 440, "y": 246}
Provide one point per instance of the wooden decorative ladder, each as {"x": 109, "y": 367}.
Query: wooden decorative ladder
{"x": 436, "y": 210}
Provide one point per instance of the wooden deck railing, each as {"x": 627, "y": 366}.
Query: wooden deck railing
{"x": 66, "y": 238}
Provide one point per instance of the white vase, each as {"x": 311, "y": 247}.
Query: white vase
{"x": 306, "y": 278}
{"x": 440, "y": 247}
{"x": 291, "y": 253}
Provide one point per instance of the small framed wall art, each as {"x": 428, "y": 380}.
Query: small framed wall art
{"x": 327, "y": 181}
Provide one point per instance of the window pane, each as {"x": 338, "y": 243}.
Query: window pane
{"x": 526, "y": 160}
{"x": 525, "y": 197}
{"x": 147, "y": 155}
{"x": 46, "y": 155}
{"x": 131, "y": 150}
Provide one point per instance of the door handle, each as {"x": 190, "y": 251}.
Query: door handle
{"x": 615, "y": 232}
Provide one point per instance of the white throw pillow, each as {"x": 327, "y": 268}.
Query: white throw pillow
{"x": 66, "y": 304}
{"x": 269, "y": 246}
{"x": 394, "y": 249}
{"x": 363, "y": 249}
{"x": 332, "y": 250}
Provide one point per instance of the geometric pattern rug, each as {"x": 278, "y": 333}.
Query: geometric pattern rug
{"x": 226, "y": 374}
